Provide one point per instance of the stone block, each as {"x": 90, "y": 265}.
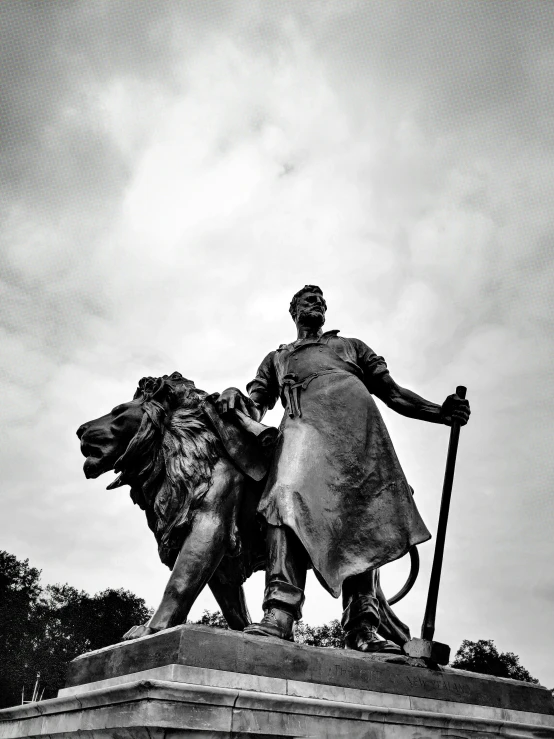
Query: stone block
{"x": 169, "y": 686}
{"x": 206, "y": 648}
{"x": 173, "y": 710}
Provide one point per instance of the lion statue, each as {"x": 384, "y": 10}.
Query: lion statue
{"x": 197, "y": 477}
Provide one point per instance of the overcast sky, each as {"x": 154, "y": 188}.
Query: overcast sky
{"x": 172, "y": 172}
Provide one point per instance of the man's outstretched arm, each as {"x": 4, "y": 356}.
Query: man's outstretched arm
{"x": 409, "y": 404}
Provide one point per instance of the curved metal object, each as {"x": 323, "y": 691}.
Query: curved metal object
{"x": 412, "y": 577}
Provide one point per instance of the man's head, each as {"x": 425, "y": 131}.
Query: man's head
{"x": 308, "y": 307}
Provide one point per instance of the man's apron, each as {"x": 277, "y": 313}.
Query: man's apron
{"x": 335, "y": 479}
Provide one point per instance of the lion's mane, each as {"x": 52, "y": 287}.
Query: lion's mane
{"x": 169, "y": 464}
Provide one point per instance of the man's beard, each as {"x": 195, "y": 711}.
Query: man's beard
{"x": 312, "y": 319}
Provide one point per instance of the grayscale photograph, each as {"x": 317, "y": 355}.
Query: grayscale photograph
{"x": 276, "y": 369}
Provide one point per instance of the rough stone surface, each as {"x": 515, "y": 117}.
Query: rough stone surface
{"x": 156, "y": 709}
{"x": 213, "y": 649}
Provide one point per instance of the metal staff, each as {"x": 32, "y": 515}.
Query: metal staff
{"x": 428, "y": 627}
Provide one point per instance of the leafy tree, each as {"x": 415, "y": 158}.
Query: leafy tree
{"x": 328, "y": 635}
{"x": 74, "y": 622}
{"x": 113, "y": 613}
{"x": 42, "y": 629}
{"x": 213, "y": 618}
{"x": 19, "y": 592}
{"x": 483, "y": 656}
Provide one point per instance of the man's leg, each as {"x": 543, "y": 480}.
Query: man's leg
{"x": 360, "y": 618}
{"x": 287, "y": 564}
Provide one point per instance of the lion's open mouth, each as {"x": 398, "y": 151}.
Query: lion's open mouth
{"x": 97, "y": 462}
{"x": 96, "y": 466}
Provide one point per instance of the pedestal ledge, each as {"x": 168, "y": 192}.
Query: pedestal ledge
{"x": 156, "y": 709}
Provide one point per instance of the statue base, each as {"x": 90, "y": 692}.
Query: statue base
{"x": 194, "y": 682}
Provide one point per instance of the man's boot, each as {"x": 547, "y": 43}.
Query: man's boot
{"x": 276, "y": 622}
{"x": 360, "y": 621}
{"x": 282, "y": 607}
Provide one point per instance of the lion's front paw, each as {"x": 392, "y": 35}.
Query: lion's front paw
{"x": 135, "y": 632}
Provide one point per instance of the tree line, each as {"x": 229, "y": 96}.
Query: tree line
{"x": 42, "y": 628}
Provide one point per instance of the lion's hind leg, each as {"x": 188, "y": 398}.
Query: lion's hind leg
{"x": 230, "y": 598}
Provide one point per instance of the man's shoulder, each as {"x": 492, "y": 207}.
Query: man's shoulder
{"x": 359, "y": 347}
{"x": 333, "y": 336}
{"x": 272, "y": 356}
{"x": 269, "y": 357}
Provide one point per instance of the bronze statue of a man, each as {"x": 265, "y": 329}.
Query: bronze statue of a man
{"x": 336, "y": 497}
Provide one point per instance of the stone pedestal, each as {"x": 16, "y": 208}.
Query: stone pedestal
{"x": 193, "y": 682}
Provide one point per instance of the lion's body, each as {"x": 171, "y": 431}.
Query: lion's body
{"x": 199, "y": 505}
{"x": 174, "y": 467}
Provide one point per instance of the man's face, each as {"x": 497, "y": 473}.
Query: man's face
{"x": 310, "y": 310}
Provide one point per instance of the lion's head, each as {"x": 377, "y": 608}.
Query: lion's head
{"x": 104, "y": 440}
{"x": 160, "y": 446}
